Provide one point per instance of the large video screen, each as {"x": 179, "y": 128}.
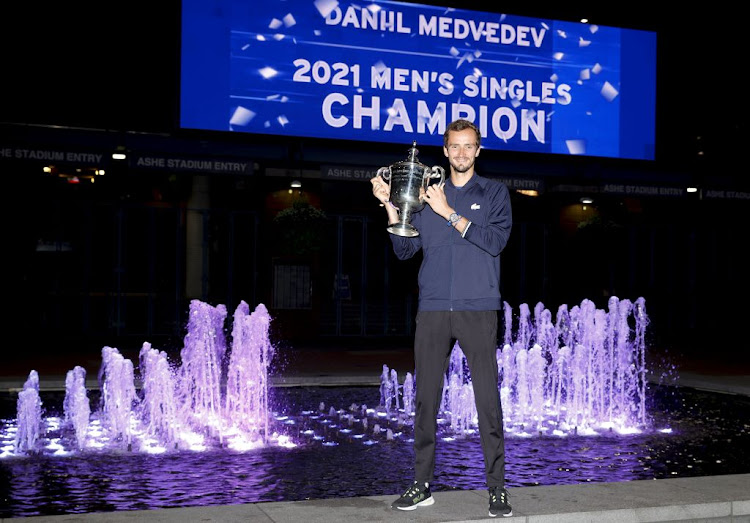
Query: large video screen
{"x": 397, "y": 72}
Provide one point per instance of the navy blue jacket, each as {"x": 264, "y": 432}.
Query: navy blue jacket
{"x": 461, "y": 274}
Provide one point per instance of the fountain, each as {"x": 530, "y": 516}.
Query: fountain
{"x": 191, "y": 406}
{"x": 581, "y": 375}
{"x": 585, "y": 374}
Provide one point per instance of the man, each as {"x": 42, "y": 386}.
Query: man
{"x": 462, "y": 230}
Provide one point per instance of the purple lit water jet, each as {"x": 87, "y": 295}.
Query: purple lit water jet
{"x": 248, "y": 380}
{"x": 29, "y": 415}
{"x": 76, "y": 405}
{"x": 117, "y": 382}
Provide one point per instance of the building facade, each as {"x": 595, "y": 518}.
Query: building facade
{"x": 112, "y": 251}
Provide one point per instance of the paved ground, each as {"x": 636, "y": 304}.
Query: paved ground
{"x": 714, "y": 498}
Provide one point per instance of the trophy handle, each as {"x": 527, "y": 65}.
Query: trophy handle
{"x": 382, "y": 173}
{"x": 437, "y": 172}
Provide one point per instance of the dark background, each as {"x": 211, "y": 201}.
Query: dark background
{"x": 115, "y": 67}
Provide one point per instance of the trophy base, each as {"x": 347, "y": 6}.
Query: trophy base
{"x": 403, "y": 229}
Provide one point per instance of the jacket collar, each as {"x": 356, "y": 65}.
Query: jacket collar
{"x": 473, "y": 180}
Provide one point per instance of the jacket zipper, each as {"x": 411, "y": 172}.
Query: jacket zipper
{"x": 453, "y": 239}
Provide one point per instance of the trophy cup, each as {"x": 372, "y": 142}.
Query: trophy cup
{"x": 406, "y": 178}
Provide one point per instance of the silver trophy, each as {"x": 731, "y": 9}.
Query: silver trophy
{"x": 407, "y": 179}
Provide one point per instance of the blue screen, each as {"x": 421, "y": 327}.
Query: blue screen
{"x": 398, "y": 72}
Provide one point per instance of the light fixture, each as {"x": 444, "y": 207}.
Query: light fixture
{"x": 692, "y": 189}
{"x": 528, "y": 192}
{"x": 119, "y": 153}
{"x": 296, "y": 184}
{"x": 586, "y": 200}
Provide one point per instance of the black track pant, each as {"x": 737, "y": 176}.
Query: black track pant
{"x": 476, "y": 333}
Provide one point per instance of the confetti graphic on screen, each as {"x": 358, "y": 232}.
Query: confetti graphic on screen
{"x": 395, "y": 72}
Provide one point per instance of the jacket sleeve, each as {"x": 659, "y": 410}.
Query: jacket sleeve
{"x": 493, "y": 235}
{"x": 403, "y": 247}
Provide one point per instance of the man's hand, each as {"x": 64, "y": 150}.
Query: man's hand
{"x": 435, "y": 198}
{"x": 380, "y": 189}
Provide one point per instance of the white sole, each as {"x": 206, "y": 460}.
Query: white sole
{"x": 509, "y": 514}
{"x": 426, "y": 503}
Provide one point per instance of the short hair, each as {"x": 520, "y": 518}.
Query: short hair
{"x": 461, "y": 125}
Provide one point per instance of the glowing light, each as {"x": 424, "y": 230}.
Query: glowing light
{"x": 268, "y": 72}
{"x": 241, "y": 444}
{"x": 286, "y": 442}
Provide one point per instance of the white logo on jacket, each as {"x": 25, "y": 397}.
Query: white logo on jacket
{"x": 475, "y": 206}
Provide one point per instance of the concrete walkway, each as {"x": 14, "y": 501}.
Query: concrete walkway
{"x": 714, "y": 498}
{"x": 707, "y": 499}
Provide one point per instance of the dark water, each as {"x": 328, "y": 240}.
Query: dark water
{"x": 710, "y": 435}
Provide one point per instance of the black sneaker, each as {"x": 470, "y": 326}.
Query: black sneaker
{"x": 499, "y": 503}
{"x": 417, "y": 495}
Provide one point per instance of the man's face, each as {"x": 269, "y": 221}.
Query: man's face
{"x": 461, "y": 150}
